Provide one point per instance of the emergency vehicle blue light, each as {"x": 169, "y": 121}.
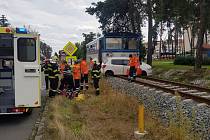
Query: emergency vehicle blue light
{"x": 21, "y": 30}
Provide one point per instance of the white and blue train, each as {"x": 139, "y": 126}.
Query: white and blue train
{"x": 113, "y": 45}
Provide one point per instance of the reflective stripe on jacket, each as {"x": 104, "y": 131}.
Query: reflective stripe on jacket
{"x": 96, "y": 72}
{"x": 53, "y": 70}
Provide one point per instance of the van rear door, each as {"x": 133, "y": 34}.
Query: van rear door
{"x": 27, "y": 71}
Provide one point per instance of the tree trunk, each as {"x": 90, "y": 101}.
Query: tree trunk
{"x": 201, "y": 32}
{"x": 190, "y": 41}
{"x": 150, "y": 47}
{"x": 161, "y": 34}
{"x": 176, "y": 40}
{"x": 206, "y": 37}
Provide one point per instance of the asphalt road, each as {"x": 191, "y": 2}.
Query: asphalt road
{"x": 18, "y": 127}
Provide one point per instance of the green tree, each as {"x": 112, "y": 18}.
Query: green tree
{"x": 118, "y": 15}
{"x": 81, "y": 52}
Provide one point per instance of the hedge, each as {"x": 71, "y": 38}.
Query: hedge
{"x": 189, "y": 60}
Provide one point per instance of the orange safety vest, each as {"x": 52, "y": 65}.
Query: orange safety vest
{"x": 132, "y": 62}
{"x": 137, "y": 64}
{"x": 84, "y": 67}
{"x": 76, "y": 71}
{"x": 62, "y": 67}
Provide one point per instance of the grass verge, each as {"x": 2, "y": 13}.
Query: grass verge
{"x": 110, "y": 116}
{"x": 165, "y": 69}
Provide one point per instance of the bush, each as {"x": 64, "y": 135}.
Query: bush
{"x": 189, "y": 60}
{"x": 206, "y": 61}
{"x": 184, "y": 60}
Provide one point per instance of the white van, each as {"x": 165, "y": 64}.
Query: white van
{"x": 19, "y": 71}
{"x": 119, "y": 66}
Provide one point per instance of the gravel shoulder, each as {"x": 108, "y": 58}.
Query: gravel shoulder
{"x": 168, "y": 108}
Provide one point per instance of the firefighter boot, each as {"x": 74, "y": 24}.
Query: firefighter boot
{"x": 97, "y": 92}
{"x": 87, "y": 87}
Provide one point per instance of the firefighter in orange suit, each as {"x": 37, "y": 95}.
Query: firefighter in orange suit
{"x": 76, "y": 76}
{"x": 132, "y": 64}
{"x": 62, "y": 66}
{"x": 84, "y": 74}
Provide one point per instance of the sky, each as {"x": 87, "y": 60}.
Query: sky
{"x": 58, "y": 21}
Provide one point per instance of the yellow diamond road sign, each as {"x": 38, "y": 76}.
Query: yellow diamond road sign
{"x": 70, "y": 48}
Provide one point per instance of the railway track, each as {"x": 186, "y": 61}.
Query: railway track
{"x": 196, "y": 93}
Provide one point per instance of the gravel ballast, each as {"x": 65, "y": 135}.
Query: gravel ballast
{"x": 167, "y": 106}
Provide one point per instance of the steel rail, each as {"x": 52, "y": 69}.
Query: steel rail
{"x": 196, "y": 98}
{"x": 179, "y": 84}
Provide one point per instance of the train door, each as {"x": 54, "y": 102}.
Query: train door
{"x": 27, "y": 71}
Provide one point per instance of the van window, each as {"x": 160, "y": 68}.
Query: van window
{"x": 125, "y": 62}
{"x": 120, "y": 62}
{"x": 117, "y": 62}
{"x": 26, "y": 49}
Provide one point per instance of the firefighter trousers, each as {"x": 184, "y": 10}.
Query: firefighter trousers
{"x": 132, "y": 73}
{"x": 96, "y": 85}
{"x": 47, "y": 82}
{"x": 67, "y": 82}
{"x": 77, "y": 86}
{"x": 53, "y": 86}
{"x": 84, "y": 81}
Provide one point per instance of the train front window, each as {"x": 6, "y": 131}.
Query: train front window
{"x": 129, "y": 44}
{"x": 132, "y": 44}
{"x": 114, "y": 43}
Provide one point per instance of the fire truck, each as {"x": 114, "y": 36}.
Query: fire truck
{"x": 20, "y": 72}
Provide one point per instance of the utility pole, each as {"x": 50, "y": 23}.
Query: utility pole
{"x": 3, "y": 21}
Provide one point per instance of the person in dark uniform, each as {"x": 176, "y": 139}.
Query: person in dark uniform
{"x": 54, "y": 78}
{"x": 67, "y": 81}
{"x": 96, "y": 72}
{"x": 132, "y": 69}
{"x": 46, "y": 73}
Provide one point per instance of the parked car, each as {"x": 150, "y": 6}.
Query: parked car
{"x": 119, "y": 66}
